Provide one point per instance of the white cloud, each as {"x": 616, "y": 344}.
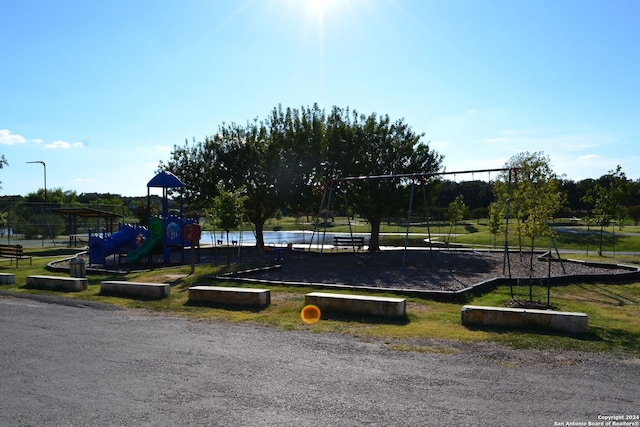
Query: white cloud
{"x": 37, "y": 141}
{"x": 8, "y": 138}
{"x": 64, "y": 145}
{"x": 164, "y": 148}
{"x": 589, "y": 157}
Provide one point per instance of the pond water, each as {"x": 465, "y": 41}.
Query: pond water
{"x": 271, "y": 238}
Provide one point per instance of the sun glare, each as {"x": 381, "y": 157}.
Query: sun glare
{"x": 316, "y": 7}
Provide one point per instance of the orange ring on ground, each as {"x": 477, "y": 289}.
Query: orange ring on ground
{"x": 310, "y": 314}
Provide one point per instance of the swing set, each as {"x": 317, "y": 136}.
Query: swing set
{"x": 412, "y": 179}
{"x": 336, "y": 185}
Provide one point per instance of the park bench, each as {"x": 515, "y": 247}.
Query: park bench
{"x": 13, "y": 252}
{"x": 348, "y": 241}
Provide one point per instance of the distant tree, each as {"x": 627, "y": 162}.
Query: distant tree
{"x": 4, "y": 223}
{"x": 478, "y": 194}
{"x": 606, "y": 198}
{"x": 3, "y": 163}
{"x": 480, "y": 213}
{"x": 456, "y": 211}
{"x": 140, "y": 213}
{"x": 496, "y": 216}
{"x": 278, "y": 216}
{"x": 110, "y": 200}
{"x": 634, "y": 193}
{"x": 634, "y": 213}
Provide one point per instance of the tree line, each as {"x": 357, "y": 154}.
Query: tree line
{"x": 284, "y": 163}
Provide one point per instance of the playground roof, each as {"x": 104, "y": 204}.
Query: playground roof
{"x": 73, "y": 213}
{"x": 165, "y": 180}
{"x": 85, "y": 212}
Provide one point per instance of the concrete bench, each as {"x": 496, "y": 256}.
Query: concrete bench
{"x": 136, "y": 289}
{"x": 573, "y": 323}
{"x": 58, "y": 283}
{"x": 358, "y": 304}
{"x": 7, "y": 279}
{"x": 231, "y": 296}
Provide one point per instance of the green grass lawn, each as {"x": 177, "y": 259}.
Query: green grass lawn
{"x": 614, "y": 310}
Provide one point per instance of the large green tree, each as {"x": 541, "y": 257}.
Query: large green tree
{"x": 299, "y": 137}
{"x": 247, "y": 159}
{"x": 361, "y": 146}
{"x": 283, "y": 161}
{"x": 196, "y": 164}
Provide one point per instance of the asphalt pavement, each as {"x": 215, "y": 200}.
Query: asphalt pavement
{"x": 91, "y": 365}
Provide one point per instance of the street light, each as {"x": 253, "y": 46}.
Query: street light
{"x": 45, "y": 177}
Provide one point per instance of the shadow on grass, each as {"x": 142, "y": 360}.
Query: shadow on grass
{"x": 470, "y": 228}
{"x": 375, "y": 320}
{"x": 536, "y": 331}
{"x": 616, "y": 337}
{"x": 595, "y": 339}
{"x": 130, "y": 297}
{"x": 228, "y": 307}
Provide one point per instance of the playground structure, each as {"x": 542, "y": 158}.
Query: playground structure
{"x": 166, "y": 233}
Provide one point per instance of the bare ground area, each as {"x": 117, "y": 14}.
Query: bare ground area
{"x": 415, "y": 269}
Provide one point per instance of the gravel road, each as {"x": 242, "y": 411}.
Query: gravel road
{"x": 85, "y": 365}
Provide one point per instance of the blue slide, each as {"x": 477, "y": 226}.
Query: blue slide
{"x": 100, "y": 248}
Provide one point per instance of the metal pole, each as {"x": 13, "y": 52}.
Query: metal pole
{"x": 406, "y": 236}
{"x": 44, "y": 165}
{"x": 45, "y": 177}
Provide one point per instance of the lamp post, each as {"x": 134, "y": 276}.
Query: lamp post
{"x": 45, "y": 197}
{"x": 45, "y": 177}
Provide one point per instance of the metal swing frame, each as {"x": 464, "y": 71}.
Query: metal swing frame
{"x": 332, "y": 183}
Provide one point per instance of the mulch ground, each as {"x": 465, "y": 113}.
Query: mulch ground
{"x": 395, "y": 269}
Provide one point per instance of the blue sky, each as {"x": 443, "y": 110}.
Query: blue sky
{"x": 101, "y": 91}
